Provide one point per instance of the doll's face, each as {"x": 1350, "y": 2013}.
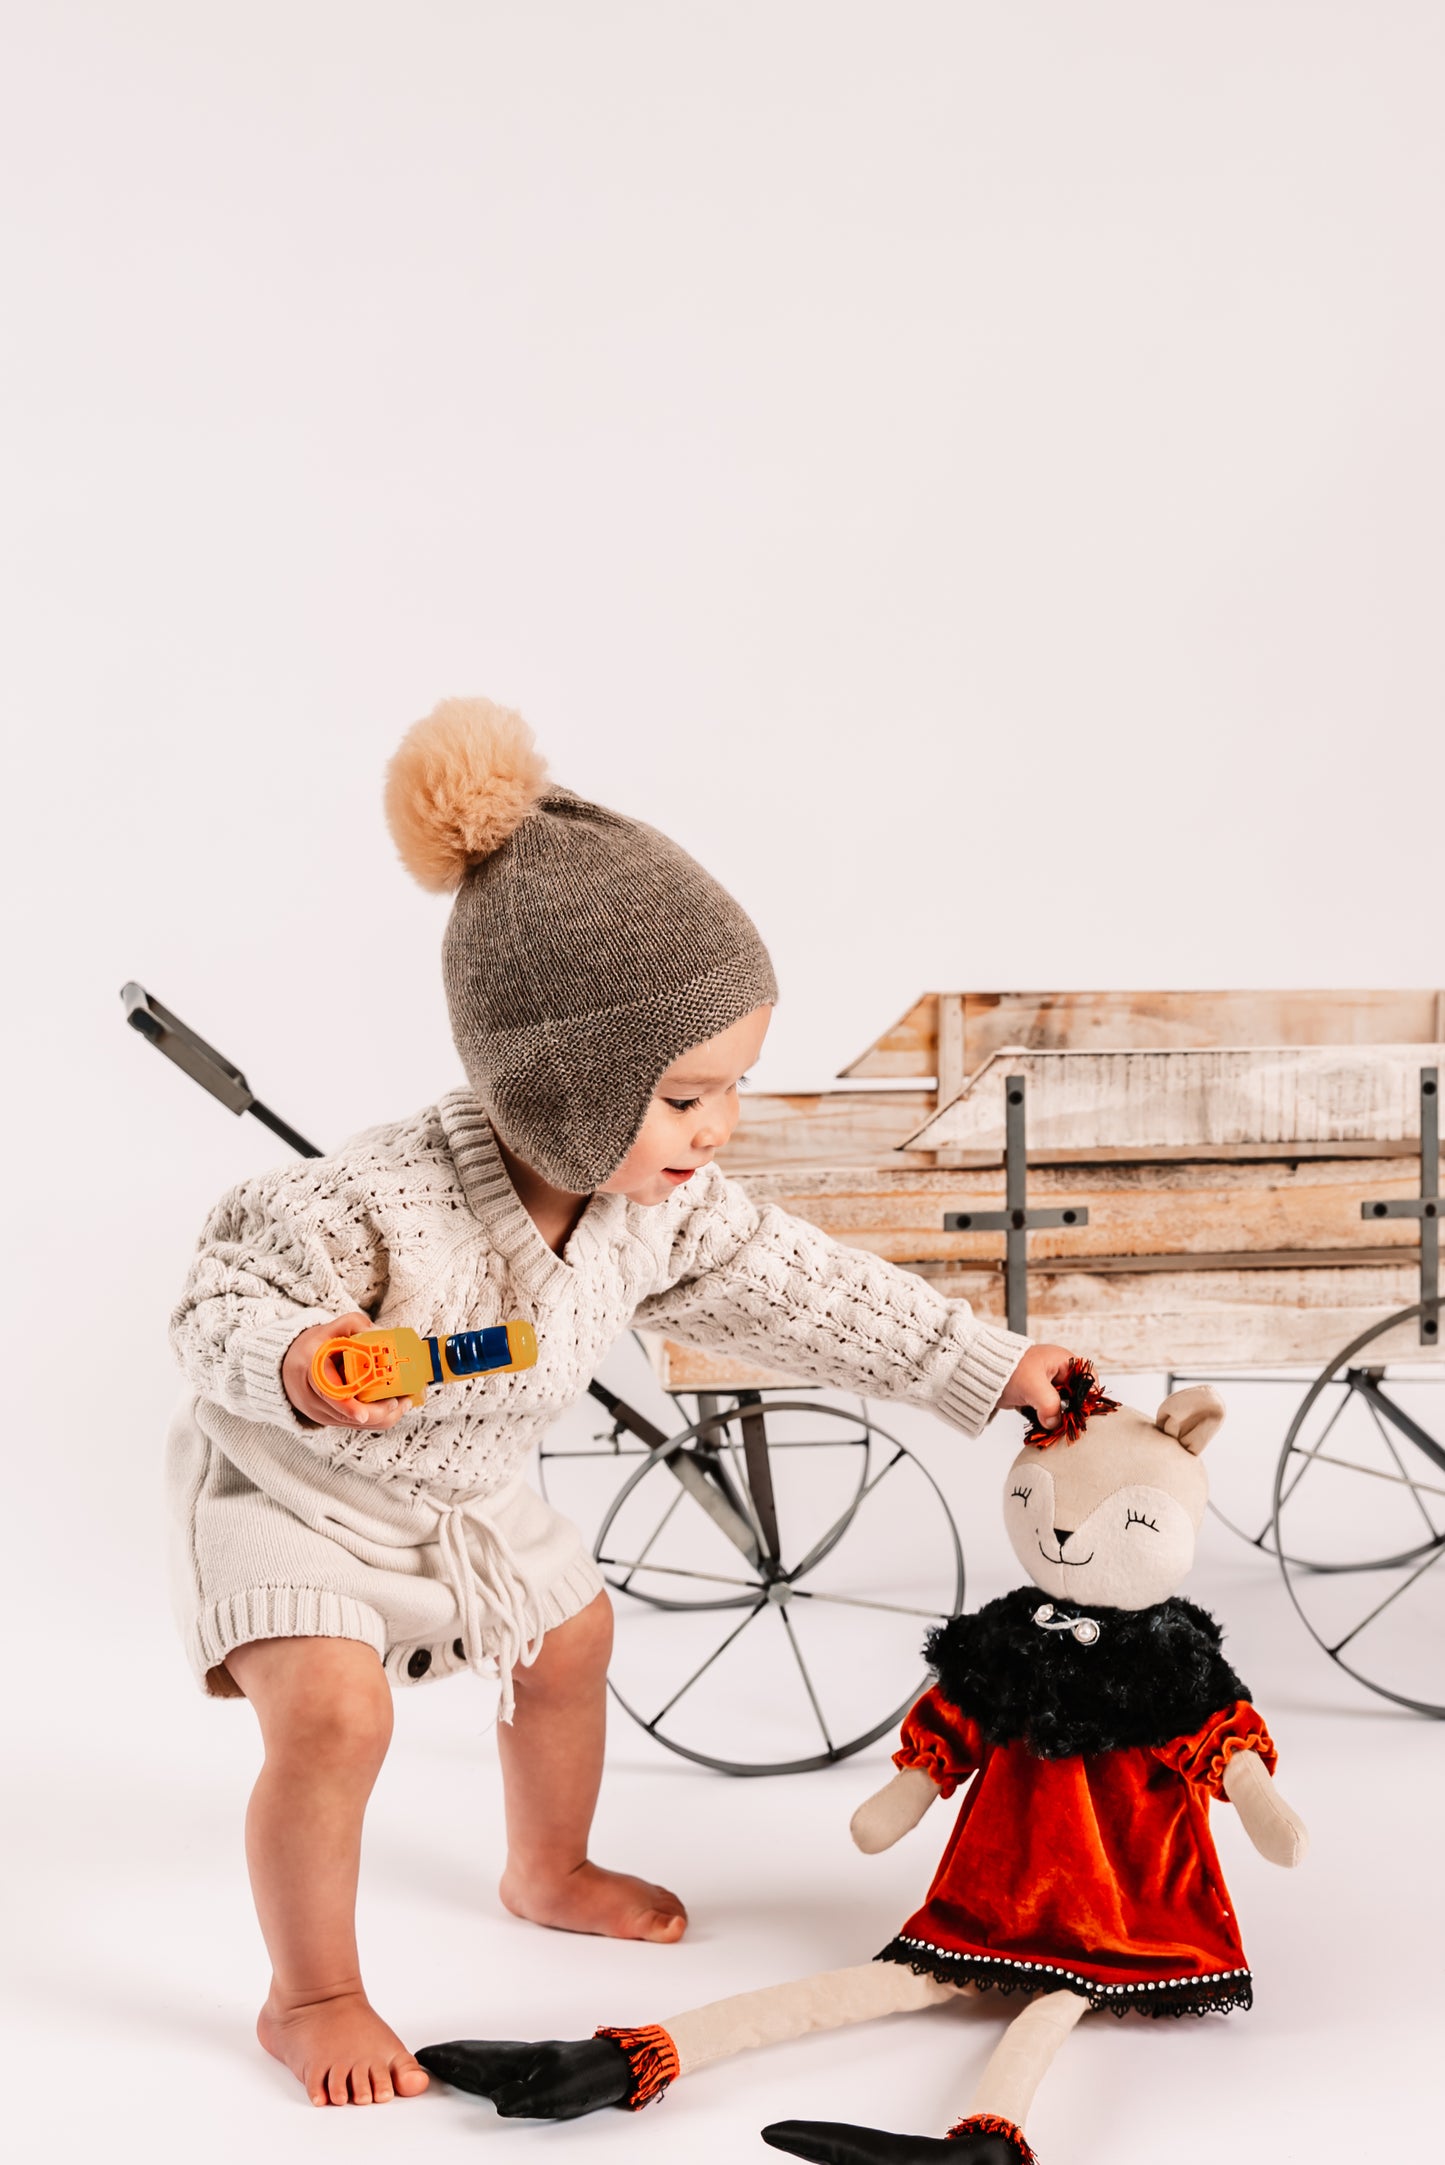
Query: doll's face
{"x": 1112, "y": 1518}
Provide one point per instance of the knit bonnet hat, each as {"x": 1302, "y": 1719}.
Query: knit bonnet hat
{"x": 584, "y": 952}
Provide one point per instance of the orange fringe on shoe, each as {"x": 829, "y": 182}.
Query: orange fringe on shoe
{"x": 1082, "y": 1396}
{"x": 654, "y": 2062}
{"x": 988, "y": 2123}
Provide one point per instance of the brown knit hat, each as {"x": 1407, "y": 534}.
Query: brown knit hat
{"x": 584, "y": 952}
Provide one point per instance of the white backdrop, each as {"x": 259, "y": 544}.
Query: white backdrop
{"x": 970, "y": 472}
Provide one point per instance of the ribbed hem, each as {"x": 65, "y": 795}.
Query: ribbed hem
{"x": 262, "y": 1351}
{"x": 491, "y": 1198}
{"x": 570, "y": 1593}
{"x": 280, "y": 1612}
{"x": 969, "y": 1399}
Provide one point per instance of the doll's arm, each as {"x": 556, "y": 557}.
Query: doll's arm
{"x": 893, "y": 1811}
{"x": 1276, "y": 1830}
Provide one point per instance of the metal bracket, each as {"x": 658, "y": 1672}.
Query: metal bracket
{"x": 1015, "y": 1221}
{"x": 1425, "y": 1206}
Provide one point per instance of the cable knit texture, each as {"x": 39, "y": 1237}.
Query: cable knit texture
{"x": 418, "y": 1223}
{"x": 423, "y": 1540}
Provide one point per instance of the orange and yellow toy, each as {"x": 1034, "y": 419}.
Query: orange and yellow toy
{"x": 401, "y": 1363}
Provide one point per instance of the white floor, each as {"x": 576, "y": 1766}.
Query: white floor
{"x": 138, "y": 1968}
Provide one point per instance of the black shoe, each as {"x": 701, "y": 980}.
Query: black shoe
{"x": 833, "y": 2142}
{"x": 554, "y": 2080}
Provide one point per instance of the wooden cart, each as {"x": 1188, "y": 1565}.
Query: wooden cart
{"x": 1207, "y": 1184}
{"x": 1188, "y": 1182}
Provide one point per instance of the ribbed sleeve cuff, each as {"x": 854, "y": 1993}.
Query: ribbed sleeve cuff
{"x": 971, "y": 1394}
{"x": 261, "y": 1352}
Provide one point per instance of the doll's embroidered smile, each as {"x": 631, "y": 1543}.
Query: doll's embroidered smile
{"x": 1071, "y": 1563}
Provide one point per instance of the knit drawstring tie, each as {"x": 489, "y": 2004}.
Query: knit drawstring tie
{"x": 494, "y": 1580}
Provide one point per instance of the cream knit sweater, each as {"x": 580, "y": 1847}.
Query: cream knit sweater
{"x": 418, "y": 1223}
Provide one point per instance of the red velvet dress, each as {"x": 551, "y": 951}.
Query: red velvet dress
{"x": 1097, "y": 1872}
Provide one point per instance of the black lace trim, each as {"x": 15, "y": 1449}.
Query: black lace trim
{"x": 1215, "y": 1994}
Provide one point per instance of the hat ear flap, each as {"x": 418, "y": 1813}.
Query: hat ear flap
{"x": 1192, "y": 1416}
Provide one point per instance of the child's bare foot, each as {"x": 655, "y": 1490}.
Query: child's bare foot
{"x": 339, "y": 2049}
{"x": 588, "y": 1899}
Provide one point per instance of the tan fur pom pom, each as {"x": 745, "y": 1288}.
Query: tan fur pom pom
{"x": 460, "y": 782}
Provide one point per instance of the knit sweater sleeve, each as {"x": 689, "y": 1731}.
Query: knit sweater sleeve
{"x": 759, "y": 1283}
{"x": 276, "y": 1255}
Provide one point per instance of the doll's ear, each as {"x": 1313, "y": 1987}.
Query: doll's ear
{"x": 1192, "y": 1417}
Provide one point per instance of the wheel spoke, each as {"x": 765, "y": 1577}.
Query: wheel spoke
{"x": 1378, "y": 1473}
{"x": 1309, "y": 1455}
{"x": 756, "y": 1610}
{"x": 679, "y": 1571}
{"x": 844, "y": 1518}
{"x": 856, "y": 1601}
{"x": 803, "y": 1670}
{"x": 633, "y": 1451}
{"x": 1380, "y": 1607}
{"x": 806, "y": 1443}
{"x": 652, "y": 1538}
{"x": 1388, "y": 1442}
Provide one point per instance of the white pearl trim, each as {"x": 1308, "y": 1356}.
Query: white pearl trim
{"x": 1074, "y": 1977}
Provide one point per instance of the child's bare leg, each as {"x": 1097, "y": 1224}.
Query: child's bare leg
{"x": 551, "y": 1772}
{"x": 325, "y": 1711}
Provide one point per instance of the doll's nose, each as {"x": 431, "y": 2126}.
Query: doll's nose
{"x": 1063, "y": 1534}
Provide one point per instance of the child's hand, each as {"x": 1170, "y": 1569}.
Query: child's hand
{"x": 1032, "y": 1383}
{"x": 331, "y": 1412}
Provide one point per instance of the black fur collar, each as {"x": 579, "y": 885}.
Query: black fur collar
{"x": 1151, "y": 1675}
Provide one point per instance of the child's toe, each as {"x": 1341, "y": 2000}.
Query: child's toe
{"x": 407, "y": 2079}
{"x": 663, "y": 1925}
{"x": 358, "y": 2083}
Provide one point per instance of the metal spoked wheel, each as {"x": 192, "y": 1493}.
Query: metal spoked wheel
{"x": 1246, "y": 1506}
{"x": 1359, "y": 1521}
{"x": 785, "y": 1558}
{"x": 697, "y": 1459}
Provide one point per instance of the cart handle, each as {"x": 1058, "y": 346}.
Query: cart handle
{"x": 211, "y": 1069}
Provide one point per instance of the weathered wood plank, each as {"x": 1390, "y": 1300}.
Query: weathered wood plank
{"x": 829, "y": 1127}
{"x": 908, "y": 1048}
{"x": 1157, "y": 1320}
{"x": 1140, "y": 1101}
{"x": 1083, "y": 1021}
{"x": 1141, "y": 1209}
{"x": 1244, "y": 1319}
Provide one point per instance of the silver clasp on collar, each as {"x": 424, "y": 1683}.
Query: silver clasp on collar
{"x": 1085, "y": 1629}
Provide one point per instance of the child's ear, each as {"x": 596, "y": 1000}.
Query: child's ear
{"x": 1192, "y": 1417}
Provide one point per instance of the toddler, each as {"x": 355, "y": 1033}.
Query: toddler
{"x": 606, "y": 997}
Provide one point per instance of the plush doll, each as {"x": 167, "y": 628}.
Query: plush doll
{"x": 1092, "y": 1717}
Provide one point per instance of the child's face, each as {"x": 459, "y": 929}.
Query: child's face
{"x": 694, "y": 1110}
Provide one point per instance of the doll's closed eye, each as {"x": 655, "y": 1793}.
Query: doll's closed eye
{"x": 1023, "y": 1493}
{"x": 1137, "y": 1518}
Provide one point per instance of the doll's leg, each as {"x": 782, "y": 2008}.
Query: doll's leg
{"x": 1023, "y": 2056}
{"x": 992, "y": 2133}
{"x": 560, "y": 2080}
{"x": 829, "y": 2001}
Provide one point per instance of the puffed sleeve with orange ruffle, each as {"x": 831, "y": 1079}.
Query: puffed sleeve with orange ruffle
{"x": 945, "y": 1743}
{"x": 1204, "y": 1756}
